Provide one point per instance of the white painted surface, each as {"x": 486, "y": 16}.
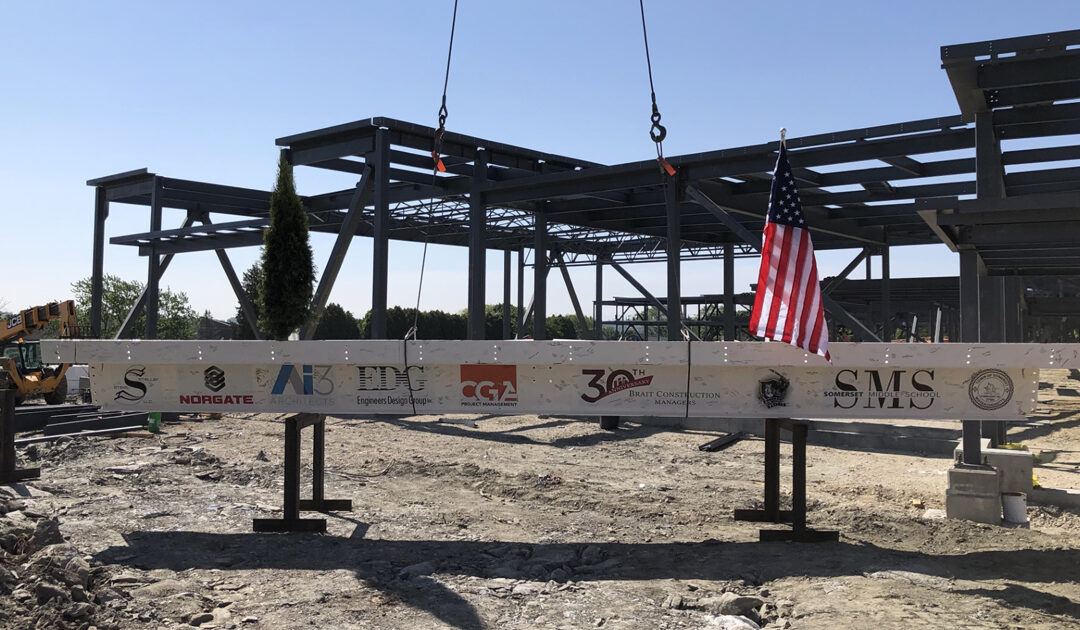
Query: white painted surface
{"x": 713, "y": 379}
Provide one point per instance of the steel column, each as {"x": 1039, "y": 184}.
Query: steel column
{"x": 674, "y": 257}
{"x": 507, "y": 332}
{"x": 154, "y": 262}
{"x": 598, "y": 307}
{"x": 520, "y": 294}
{"x": 477, "y": 252}
{"x": 380, "y": 248}
{"x": 989, "y": 172}
{"x": 730, "y": 332}
{"x": 888, "y": 328}
{"x": 101, "y": 212}
{"x": 540, "y": 265}
{"x": 970, "y": 263}
{"x": 337, "y": 255}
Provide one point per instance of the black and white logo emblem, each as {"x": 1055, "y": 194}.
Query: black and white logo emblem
{"x": 990, "y": 389}
{"x": 773, "y": 390}
{"x": 214, "y": 378}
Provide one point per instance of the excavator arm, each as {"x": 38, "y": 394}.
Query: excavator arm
{"x": 34, "y": 319}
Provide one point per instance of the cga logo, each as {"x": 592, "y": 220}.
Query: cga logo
{"x": 306, "y": 381}
{"x": 134, "y": 387}
{"x": 489, "y": 385}
{"x": 214, "y": 378}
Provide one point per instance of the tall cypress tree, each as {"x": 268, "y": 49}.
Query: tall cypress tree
{"x": 288, "y": 269}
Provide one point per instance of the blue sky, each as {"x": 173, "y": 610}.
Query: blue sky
{"x": 200, "y": 90}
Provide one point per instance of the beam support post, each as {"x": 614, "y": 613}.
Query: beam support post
{"x": 477, "y": 252}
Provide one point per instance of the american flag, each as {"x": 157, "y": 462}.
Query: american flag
{"x": 787, "y": 305}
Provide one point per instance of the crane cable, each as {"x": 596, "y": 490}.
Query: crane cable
{"x": 437, "y": 167}
{"x": 657, "y": 132}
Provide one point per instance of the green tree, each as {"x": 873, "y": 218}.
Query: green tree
{"x": 288, "y": 268}
{"x": 336, "y": 323}
{"x": 176, "y": 318}
{"x": 250, "y": 284}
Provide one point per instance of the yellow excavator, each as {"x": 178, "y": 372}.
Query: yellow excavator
{"x": 21, "y": 367}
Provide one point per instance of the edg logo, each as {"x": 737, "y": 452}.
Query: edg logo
{"x": 374, "y": 378}
{"x": 307, "y": 381}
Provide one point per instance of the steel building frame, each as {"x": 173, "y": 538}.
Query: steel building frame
{"x": 1008, "y": 213}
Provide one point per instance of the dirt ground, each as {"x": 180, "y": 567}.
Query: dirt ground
{"x": 522, "y": 522}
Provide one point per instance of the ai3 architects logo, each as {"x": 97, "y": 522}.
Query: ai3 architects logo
{"x": 303, "y": 385}
{"x": 489, "y": 385}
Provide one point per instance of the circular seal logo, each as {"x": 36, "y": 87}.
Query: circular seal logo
{"x": 990, "y": 389}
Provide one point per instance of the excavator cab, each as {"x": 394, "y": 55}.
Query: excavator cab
{"x": 20, "y": 360}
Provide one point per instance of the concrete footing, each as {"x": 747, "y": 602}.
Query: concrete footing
{"x": 974, "y": 494}
{"x": 1014, "y": 467}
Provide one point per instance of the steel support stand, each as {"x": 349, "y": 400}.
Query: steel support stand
{"x": 292, "y": 504}
{"x": 772, "y": 512}
{"x": 8, "y": 471}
